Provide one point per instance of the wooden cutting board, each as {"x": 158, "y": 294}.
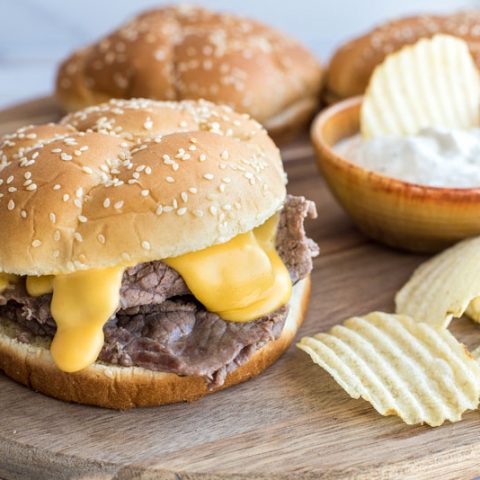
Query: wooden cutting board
{"x": 293, "y": 421}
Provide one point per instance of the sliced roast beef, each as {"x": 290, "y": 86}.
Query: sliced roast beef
{"x": 161, "y": 327}
{"x": 182, "y": 337}
{"x": 294, "y": 247}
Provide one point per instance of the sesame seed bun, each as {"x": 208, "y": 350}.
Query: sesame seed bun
{"x": 353, "y": 63}
{"x": 131, "y": 181}
{"x": 126, "y": 387}
{"x": 182, "y": 52}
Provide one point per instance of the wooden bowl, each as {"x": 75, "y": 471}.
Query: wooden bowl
{"x": 400, "y": 214}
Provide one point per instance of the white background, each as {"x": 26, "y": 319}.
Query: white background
{"x": 36, "y": 34}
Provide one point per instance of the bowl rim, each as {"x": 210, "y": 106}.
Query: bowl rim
{"x": 388, "y": 183}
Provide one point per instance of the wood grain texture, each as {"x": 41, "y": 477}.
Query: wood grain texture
{"x": 292, "y": 421}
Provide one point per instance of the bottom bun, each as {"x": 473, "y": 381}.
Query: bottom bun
{"x": 119, "y": 387}
{"x": 294, "y": 120}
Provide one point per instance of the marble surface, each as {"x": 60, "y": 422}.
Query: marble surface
{"x": 39, "y": 33}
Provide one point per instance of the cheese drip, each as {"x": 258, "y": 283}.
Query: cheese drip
{"x": 7, "y": 280}
{"x": 240, "y": 280}
{"x": 82, "y": 302}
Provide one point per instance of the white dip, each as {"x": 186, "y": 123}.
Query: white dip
{"x": 435, "y": 156}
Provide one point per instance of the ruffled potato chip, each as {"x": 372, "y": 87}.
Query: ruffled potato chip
{"x": 443, "y": 287}
{"x": 433, "y": 83}
{"x": 402, "y": 367}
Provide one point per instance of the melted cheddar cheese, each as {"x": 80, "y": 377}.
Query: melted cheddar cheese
{"x": 240, "y": 280}
{"x": 7, "y": 280}
{"x": 82, "y": 303}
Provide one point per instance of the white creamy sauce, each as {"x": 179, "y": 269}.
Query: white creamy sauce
{"x": 437, "y": 157}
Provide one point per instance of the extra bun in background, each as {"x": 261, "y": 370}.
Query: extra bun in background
{"x": 352, "y": 64}
{"x": 182, "y": 175}
{"x": 182, "y": 52}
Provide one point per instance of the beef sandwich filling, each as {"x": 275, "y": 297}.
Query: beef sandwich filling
{"x": 161, "y": 327}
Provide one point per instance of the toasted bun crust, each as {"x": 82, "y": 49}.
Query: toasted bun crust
{"x": 353, "y": 63}
{"x": 182, "y": 52}
{"x": 132, "y": 181}
{"x": 126, "y": 387}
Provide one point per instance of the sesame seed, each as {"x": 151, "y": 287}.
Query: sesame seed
{"x": 53, "y": 217}
{"x": 202, "y": 157}
{"x": 78, "y": 237}
{"x": 66, "y": 197}
{"x": 87, "y": 170}
{"x": 145, "y": 193}
{"x": 79, "y": 192}
{"x": 169, "y": 179}
{"x": 23, "y": 214}
{"x": 57, "y": 186}
{"x": 198, "y": 213}
{"x": 36, "y": 243}
{"x": 146, "y": 245}
{"x": 82, "y": 218}
{"x": 56, "y": 235}
{"x": 56, "y": 150}
{"x": 11, "y": 204}
{"x": 10, "y": 179}
{"x": 192, "y": 190}
{"x": 148, "y": 124}
{"x": 159, "y": 210}
{"x": 118, "y": 205}
{"x": 182, "y": 211}
{"x": 101, "y": 238}
{"x": 213, "y": 210}
{"x": 27, "y": 175}
{"x": 106, "y": 203}
{"x": 78, "y": 203}
{"x": 56, "y": 253}
{"x": 184, "y": 196}
{"x": 66, "y": 157}
{"x": 32, "y": 186}
{"x": 208, "y": 176}
{"x": 226, "y": 179}
{"x": 224, "y": 155}
{"x": 12, "y": 189}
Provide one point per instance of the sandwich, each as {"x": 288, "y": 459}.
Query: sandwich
{"x": 189, "y": 52}
{"x": 149, "y": 253}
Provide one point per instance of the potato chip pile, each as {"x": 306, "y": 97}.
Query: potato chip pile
{"x": 409, "y": 364}
{"x": 402, "y": 367}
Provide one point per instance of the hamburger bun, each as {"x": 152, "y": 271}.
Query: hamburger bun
{"x": 186, "y": 52}
{"x": 353, "y": 63}
{"x": 119, "y": 387}
{"x": 182, "y": 176}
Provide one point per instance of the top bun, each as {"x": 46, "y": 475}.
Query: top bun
{"x": 131, "y": 181}
{"x": 187, "y": 52}
{"x": 353, "y": 63}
